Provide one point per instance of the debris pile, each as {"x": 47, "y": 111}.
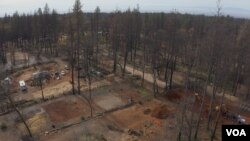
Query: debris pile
{"x": 133, "y": 132}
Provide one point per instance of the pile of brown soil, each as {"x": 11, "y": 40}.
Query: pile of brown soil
{"x": 161, "y": 112}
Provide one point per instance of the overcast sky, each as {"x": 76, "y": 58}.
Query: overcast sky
{"x": 238, "y": 8}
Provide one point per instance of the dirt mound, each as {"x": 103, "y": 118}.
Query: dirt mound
{"x": 161, "y": 112}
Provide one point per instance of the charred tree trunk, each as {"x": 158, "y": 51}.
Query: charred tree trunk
{"x": 211, "y": 107}
{"x": 90, "y": 95}
{"x": 218, "y": 117}
{"x": 236, "y": 83}
{"x": 115, "y": 50}
{"x": 125, "y": 61}
{"x": 155, "y": 87}
{"x": 173, "y": 64}
{"x": 144, "y": 64}
{"x": 78, "y": 63}
{"x": 41, "y": 87}
{"x": 201, "y": 107}
{"x": 166, "y": 72}
{"x": 19, "y": 114}
{"x": 72, "y": 63}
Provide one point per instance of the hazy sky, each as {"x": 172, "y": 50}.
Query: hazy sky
{"x": 233, "y": 7}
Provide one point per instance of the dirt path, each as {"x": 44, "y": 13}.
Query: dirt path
{"x": 178, "y": 78}
{"x": 149, "y": 77}
{"x": 59, "y": 89}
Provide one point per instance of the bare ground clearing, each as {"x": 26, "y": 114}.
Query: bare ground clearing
{"x": 152, "y": 119}
{"x": 64, "y": 110}
{"x": 108, "y": 102}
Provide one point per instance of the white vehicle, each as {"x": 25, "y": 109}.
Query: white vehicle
{"x": 22, "y": 85}
{"x": 62, "y": 73}
{"x": 7, "y": 81}
{"x": 66, "y": 67}
{"x": 240, "y": 119}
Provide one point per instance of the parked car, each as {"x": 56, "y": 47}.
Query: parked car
{"x": 22, "y": 86}
{"x": 62, "y": 73}
{"x": 7, "y": 81}
{"x": 66, "y": 67}
{"x": 57, "y": 75}
{"x": 240, "y": 119}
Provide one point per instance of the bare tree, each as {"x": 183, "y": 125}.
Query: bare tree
{"x": 6, "y": 93}
{"x": 78, "y": 18}
{"x": 72, "y": 55}
{"x": 41, "y": 86}
{"x": 115, "y": 34}
{"x": 95, "y": 30}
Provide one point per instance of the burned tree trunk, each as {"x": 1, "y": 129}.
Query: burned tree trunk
{"x": 17, "y": 110}
{"x": 41, "y": 87}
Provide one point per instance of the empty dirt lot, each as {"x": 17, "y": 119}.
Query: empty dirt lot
{"x": 148, "y": 119}
{"x": 65, "y": 110}
{"x": 123, "y": 125}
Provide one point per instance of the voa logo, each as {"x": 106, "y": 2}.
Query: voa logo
{"x": 236, "y": 132}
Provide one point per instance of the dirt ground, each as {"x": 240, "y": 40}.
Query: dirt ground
{"x": 38, "y": 123}
{"x": 161, "y": 111}
{"x": 152, "y": 119}
{"x": 135, "y": 117}
{"x": 53, "y": 87}
{"x": 148, "y": 119}
{"x": 26, "y": 74}
{"x": 65, "y": 110}
{"x": 124, "y": 125}
{"x": 108, "y": 102}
